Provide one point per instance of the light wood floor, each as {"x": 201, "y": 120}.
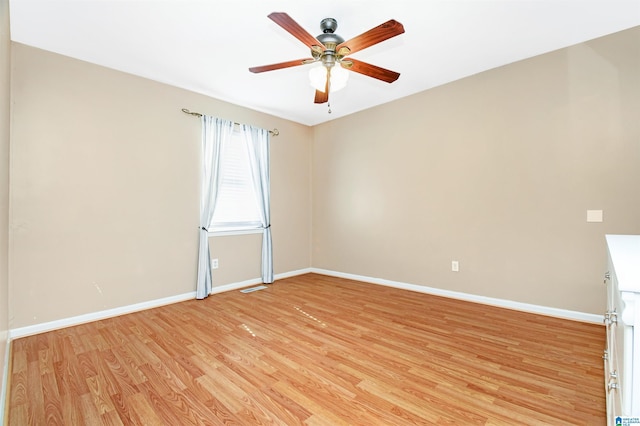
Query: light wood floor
{"x": 313, "y": 350}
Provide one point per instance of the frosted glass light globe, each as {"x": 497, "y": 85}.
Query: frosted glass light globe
{"x": 337, "y": 80}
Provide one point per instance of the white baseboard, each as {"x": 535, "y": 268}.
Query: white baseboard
{"x": 247, "y": 283}
{"x": 294, "y": 273}
{"x": 502, "y": 303}
{"x": 95, "y": 316}
{"x": 109, "y": 313}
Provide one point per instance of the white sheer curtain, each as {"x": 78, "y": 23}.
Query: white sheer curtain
{"x": 258, "y": 141}
{"x": 214, "y": 132}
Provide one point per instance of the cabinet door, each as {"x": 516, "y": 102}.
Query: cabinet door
{"x": 613, "y": 352}
{"x": 607, "y": 376}
{"x": 628, "y": 336}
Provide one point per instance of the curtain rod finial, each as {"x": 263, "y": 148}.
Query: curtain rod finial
{"x": 186, "y": 111}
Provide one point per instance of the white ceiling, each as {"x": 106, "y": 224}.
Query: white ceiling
{"x": 207, "y": 46}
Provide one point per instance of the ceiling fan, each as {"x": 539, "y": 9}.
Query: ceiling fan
{"x": 330, "y": 49}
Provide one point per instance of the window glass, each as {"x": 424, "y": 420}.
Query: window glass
{"x": 237, "y": 203}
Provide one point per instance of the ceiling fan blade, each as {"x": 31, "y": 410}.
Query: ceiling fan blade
{"x": 370, "y": 70}
{"x": 375, "y": 35}
{"x": 322, "y": 97}
{"x": 281, "y": 65}
{"x": 293, "y": 28}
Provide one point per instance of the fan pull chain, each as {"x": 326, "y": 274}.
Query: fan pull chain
{"x": 329, "y": 107}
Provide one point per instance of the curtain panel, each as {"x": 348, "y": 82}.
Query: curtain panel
{"x": 258, "y": 144}
{"x": 216, "y": 133}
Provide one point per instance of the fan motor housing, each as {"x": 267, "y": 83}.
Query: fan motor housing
{"x": 328, "y": 38}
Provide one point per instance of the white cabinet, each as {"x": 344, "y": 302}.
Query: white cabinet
{"x": 622, "y": 318}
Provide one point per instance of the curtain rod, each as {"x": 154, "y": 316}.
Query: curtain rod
{"x": 274, "y": 132}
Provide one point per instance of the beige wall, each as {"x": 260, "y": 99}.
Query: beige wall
{"x": 104, "y": 190}
{"x": 495, "y": 171}
{"x": 5, "y": 55}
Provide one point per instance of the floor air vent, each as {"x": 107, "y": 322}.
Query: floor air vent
{"x": 252, "y": 289}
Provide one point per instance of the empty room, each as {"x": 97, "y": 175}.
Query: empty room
{"x": 339, "y": 213}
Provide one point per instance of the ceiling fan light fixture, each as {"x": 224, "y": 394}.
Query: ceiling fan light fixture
{"x": 337, "y": 80}
{"x": 317, "y": 76}
{"x": 329, "y": 49}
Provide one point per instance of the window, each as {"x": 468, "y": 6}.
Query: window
{"x": 237, "y": 204}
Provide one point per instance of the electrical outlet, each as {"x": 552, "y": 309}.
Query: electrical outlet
{"x": 214, "y": 263}
{"x": 455, "y": 266}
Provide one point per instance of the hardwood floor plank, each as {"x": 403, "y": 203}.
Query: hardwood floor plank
{"x": 35, "y": 401}
{"x": 143, "y": 413}
{"x": 231, "y": 397}
{"x": 184, "y": 406}
{"x": 216, "y": 403}
{"x": 122, "y": 408}
{"x": 18, "y": 391}
{"x": 71, "y": 409}
{"x": 101, "y": 398}
{"x": 313, "y": 350}
{"x": 130, "y": 364}
{"x": 320, "y": 414}
{"x": 90, "y": 414}
{"x": 285, "y": 403}
{"x": 19, "y": 415}
{"x": 19, "y": 357}
{"x": 111, "y": 418}
{"x": 116, "y": 376}
{"x": 162, "y": 404}
{"x": 51, "y": 398}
